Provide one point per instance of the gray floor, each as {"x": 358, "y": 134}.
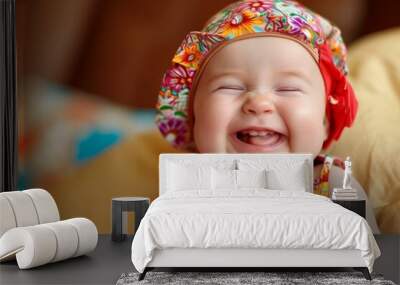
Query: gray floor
{"x": 111, "y": 259}
{"x": 103, "y": 266}
{"x": 389, "y": 262}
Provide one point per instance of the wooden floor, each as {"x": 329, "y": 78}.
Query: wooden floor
{"x": 111, "y": 259}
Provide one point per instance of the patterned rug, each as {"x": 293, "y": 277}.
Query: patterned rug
{"x": 270, "y": 278}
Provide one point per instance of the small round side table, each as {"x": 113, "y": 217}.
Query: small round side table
{"x": 120, "y": 207}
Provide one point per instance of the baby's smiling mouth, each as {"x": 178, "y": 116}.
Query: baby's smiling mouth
{"x": 257, "y": 136}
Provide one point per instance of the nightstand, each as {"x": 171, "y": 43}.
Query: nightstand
{"x": 120, "y": 207}
{"x": 357, "y": 206}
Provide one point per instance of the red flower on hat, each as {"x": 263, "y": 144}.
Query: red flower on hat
{"x": 342, "y": 104}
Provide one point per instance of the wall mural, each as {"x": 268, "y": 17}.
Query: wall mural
{"x": 99, "y": 99}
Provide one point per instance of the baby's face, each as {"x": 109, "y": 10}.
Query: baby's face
{"x": 264, "y": 95}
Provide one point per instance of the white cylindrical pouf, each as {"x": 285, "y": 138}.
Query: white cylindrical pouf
{"x": 67, "y": 239}
{"x": 87, "y": 234}
{"x": 45, "y": 205}
{"x": 34, "y": 245}
{"x": 23, "y": 208}
{"x": 7, "y": 218}
{"x": 31, "y": 232}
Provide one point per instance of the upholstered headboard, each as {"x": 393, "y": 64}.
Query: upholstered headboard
{"x": 233, "y": 161}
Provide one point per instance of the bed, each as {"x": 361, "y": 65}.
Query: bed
{"x": 246, "y": 211}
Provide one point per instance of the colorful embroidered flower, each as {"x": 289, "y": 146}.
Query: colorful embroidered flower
{"x": 275, "y": 22}
{"x": 166, "y": 98}
{"x": 256, "y": 6}
{"x": 167, "y": 111}
{"x": 296, "y": 23}
{"x": 183, "y": 96}
{"x": 174, "y": 130}
{"x": 189, "y": 56}
{"x": 241, "y": 23}
{"x": 178, "y": 78}
{"x": 338, "y": 50}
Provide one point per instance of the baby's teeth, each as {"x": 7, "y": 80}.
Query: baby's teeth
{"x": 253, "y": 133}
{"x": 262, "y": 133}
{"x": 258, "y": 133}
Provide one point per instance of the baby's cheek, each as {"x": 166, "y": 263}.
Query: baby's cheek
{"x": 305, "y": 131}
{"x": 210, "y": 128}
{"x": 211, "y": 116}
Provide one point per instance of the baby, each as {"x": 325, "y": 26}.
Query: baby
{"x": 264, "y": 76}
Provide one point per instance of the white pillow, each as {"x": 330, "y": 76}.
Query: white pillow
{"x": 293, "y": 180}
{"x": 281, "y": 174}
{"x": 224, "y": 179}
{"x": 251, "y": 178}
{"x": 181, "y": 177}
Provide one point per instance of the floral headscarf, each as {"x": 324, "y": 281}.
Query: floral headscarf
{"x": 250, "y": 18}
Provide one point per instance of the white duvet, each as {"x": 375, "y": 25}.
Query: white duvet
{"x": 250, "y": 218}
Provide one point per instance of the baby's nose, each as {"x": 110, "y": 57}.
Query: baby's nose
{"x": 258, "y": 104}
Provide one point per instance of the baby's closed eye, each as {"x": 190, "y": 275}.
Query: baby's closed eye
{"x": 290, "y": 85}
{"x": 283, "y": 89}
{"x": 289, "y": 90}
{"x": 229, "y": 88}
{"x": 227, "y": 84}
